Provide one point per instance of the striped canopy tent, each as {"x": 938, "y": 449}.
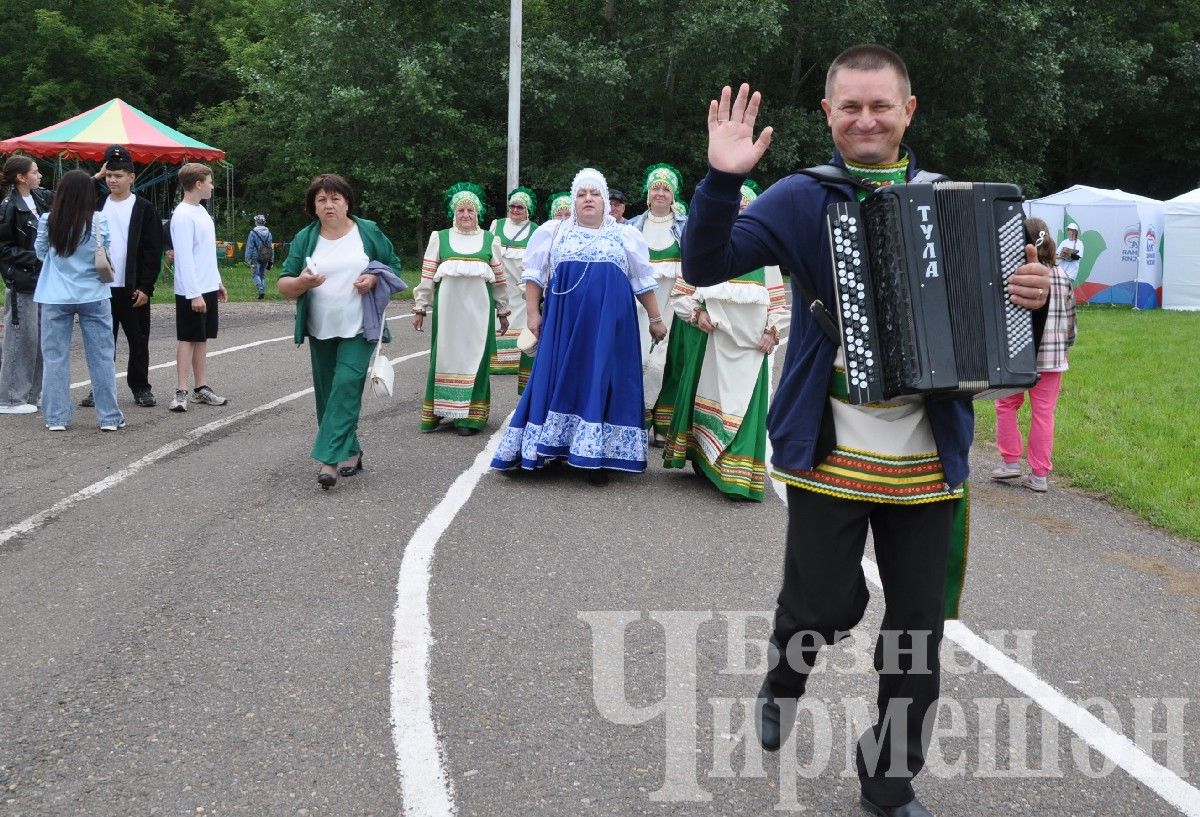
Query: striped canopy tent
{"x": 116, "y": 122}
{"x": 160, "y": 148}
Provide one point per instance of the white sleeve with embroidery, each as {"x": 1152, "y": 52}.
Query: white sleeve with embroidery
{"x": 641, "y": 271}
{"x": 537, "y": 254}
{"x": 423, "y": 294}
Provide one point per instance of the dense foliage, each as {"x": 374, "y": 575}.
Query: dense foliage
{"x": 408, "y": 97}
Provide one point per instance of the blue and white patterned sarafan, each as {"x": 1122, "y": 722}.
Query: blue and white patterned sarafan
{"x": 583, "y": 403}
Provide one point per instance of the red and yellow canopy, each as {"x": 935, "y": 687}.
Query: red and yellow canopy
{"x": 114, "y": 123}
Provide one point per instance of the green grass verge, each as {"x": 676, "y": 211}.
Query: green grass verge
{"x": 1125, "y": 424}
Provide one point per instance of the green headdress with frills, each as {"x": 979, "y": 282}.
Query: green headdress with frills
{"x": 465, "y": 191}
{"x": 750, "y": 189}
{"x": 558, "y": 200}
{"x": 525, "y": 196}
{"x": 663, "y": 172}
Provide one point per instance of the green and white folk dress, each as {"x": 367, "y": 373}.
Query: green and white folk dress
{"x": 463, "y": 289}
{"x": 713, "y": 406}
{"x": 667, "y": 261}
{"x": 511, "y": 240}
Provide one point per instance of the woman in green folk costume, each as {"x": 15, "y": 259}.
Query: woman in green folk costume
{"x": 463, "y": 284}
{"x": 559, "y": 206}
{"x": 718, "y": 376}
{"x": 511, "y": 237}
{"x": 662, "y": 227}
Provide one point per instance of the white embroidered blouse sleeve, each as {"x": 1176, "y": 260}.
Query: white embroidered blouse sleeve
{"x": 641, "y": 271}
{"x": 778, "y": 312}
{"x": 537, "y": 254}
{"x": 423, "y": 294}
{"x": 684, "y": 299}
{"x": 501, "y": 285}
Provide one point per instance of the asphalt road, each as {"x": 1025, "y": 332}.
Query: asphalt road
{"x": 213, "y": 634}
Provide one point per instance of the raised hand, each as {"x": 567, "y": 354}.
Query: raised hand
{"x": 731, "y": 143}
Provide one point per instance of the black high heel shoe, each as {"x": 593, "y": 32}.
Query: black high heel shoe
{"x": 326, "y": 481}
{"x": 351, "y": 470}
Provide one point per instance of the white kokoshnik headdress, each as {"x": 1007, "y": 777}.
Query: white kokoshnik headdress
{"x": 590, "y": 179}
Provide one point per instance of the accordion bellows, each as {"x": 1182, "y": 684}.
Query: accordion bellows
{"x": 920, "y": 273}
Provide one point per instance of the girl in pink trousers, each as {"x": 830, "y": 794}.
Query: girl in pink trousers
{"x": 1057, "y": 339}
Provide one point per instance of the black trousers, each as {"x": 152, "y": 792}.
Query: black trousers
{"x": 825, "y": 594}
{"x": 136, "y": 325}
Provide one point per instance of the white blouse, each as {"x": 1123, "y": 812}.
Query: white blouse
{"x": 618, "y": 244}
{"x": 335, "y": 307}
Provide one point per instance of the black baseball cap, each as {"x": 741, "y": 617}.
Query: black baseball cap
{"x": 117, "y": 154}
{"x": 616, "y": 195}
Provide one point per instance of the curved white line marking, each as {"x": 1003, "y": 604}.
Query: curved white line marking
{"x": 426, "y": 789}
{"x": 220, "y": 352}
{"x": 42, "y": 517}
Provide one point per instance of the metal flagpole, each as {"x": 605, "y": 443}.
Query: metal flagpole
{"x": 514, "y": 97}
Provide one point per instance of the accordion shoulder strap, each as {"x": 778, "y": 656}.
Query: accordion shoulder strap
{"x": 839, "y": 175}
{"x": 819, "y": 311}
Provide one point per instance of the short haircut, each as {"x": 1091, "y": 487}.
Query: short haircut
{"x": 192, "y": 174}
{"x": 126, "y": 166}
{"x": 330, "y": 183}
{"x": 868, "y": 57}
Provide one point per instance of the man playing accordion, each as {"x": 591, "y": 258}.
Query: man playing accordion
{"x": 899, "y": 467}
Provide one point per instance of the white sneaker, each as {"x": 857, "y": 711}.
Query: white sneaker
{"x": 1035, "y": 483}
{"x": 1008, "y": 470}
{"x": 20, "y": 408}
{"x": 207, "y": 396}
{"x": 56, "y": 428}
{"x": 179, "y": 401}
{"x": 113, "y": 426}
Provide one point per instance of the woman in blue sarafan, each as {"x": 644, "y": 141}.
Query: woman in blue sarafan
{"x": 584, "y": 403}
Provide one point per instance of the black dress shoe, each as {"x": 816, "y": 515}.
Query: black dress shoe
{"x": 351, "y": 470}
{"x": 774, "y": 718}
{"x": 598, "y": 476}
{"x": 912, "y": 808}
{"x": 326, "y": 481}
{"x": 89, "y": 401}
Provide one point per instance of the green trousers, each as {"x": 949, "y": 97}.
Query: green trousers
{"x": 339, "y": 370}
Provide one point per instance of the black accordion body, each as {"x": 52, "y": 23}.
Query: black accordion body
{"x": 920, "y": 273}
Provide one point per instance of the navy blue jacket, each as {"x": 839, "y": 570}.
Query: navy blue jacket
{"x": 786, "y": 226}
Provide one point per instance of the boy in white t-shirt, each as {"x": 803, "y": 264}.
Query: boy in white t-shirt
{"x": 198, "y": 286}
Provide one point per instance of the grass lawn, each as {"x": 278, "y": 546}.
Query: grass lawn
{"x": 1125, "y": 427}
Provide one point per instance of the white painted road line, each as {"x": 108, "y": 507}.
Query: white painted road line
{"x": 220, "y": 352}
{"x": 426, "y": 789}
{"x": 55, "y": 510}
{"x": 1094, "y": 732}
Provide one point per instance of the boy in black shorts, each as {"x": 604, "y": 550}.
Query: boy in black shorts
{"x": 198, "y": 286}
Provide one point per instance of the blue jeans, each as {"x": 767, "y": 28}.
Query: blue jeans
{"x": 259, "y": 273}
{"x": 95, "y": 324}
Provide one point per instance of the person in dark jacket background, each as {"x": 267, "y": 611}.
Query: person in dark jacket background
{"x": 260, "y": 253}
{"x": 21, "y": 360}
{"x": 897, "y": 468}
{"x": 136, "y": 247}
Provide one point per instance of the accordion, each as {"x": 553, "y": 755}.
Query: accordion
{"x": 920, "y": 273}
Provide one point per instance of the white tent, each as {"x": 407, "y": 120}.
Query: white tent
{"x": 1122, "y": 236}
{"x": 1181, "y": 257}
